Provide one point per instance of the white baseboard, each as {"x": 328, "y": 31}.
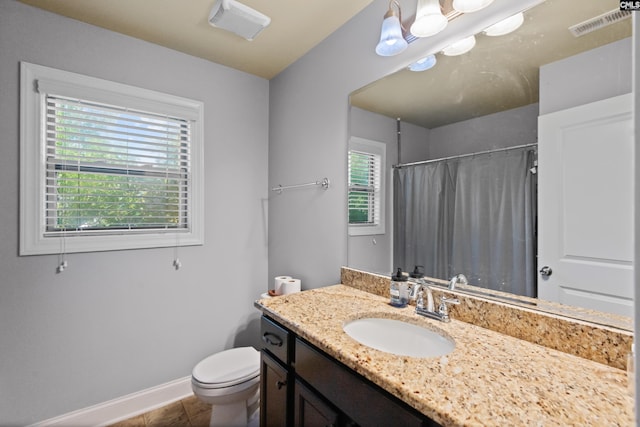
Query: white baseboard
{"x": 123, "y": 407}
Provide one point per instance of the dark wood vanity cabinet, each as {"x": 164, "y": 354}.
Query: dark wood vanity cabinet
{"x": 302, "y": 386}
{"x": 276, "y": 375}
{"x": 274, "y": 392}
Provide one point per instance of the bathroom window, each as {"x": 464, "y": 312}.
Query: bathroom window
{"x": 106, "y": 166}
{"x": 366, "y": 187}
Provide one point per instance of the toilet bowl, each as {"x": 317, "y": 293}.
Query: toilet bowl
{"x": 230, "y": 381}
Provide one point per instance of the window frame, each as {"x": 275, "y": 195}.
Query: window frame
{"x": 379, "y": 149}
{"x": 36, "y": 82}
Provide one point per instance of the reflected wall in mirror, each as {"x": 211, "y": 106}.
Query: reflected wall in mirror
{"x": 523, "y": 88}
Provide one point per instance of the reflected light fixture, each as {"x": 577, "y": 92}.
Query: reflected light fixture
{"x": 460, "y": 47}
{"x": 468, "y": 6}
{"x": 391, "y": 40}
{"x": 505, "y": 26}
{"x": 423, "y": 64}
{"x": 429, "y": 19}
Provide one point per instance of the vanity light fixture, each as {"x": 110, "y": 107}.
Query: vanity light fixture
{"x": 423, "y": 64}
{"x": 460, "y": 47}
{"x": 468, "y": 6}
{"x": 505, "y": 26}
{"x": 392, "y": 41}
{"x": 429, "y": 19}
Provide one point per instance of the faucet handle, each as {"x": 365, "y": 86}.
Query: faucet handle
{"x": 445, "y": 300}
{"x": 443, "y": 309}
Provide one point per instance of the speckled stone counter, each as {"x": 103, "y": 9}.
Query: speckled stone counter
{"x": 488, "y": 379}
{"x": 597, "y": 336}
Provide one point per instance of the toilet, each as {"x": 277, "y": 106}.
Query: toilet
{"x": 230, "y": 381}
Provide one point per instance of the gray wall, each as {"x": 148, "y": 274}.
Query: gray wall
{"x": 517, "y": 126}
{"x": 374, "y": 253}
{"x": 308, "y": 134}
{"x": 588, "y": 77}
{"x": 118, "y": 322}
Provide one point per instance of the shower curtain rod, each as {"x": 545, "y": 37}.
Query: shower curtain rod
{"x": 424, "y": 162}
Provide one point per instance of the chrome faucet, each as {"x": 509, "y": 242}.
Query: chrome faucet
{"x": 443, "y": 311}
{"x": 417, "y": 293}
{"x": 458, "y": 278}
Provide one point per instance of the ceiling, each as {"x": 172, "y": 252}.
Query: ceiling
{"x": 456, "y": 89}
{"x": 499, "y": 74}
{"x": 296, "y": 27}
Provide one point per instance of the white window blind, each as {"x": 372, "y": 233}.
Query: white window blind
{"x": 112, "y": 168}
{"x": 365, "y": 192}
{"x": 107, "y": 166}
{"x": 364, "y": 188}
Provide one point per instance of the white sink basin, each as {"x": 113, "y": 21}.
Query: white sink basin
{"x": 398, "y": 337}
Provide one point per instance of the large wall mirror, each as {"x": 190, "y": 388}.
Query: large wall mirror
{"x": 549, "y": 100}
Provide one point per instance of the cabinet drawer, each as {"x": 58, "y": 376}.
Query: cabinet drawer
{"x": 275, "y": 339}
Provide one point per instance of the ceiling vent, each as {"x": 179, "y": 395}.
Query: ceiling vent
{"x": 234, "y": 16}
{"x": 598, "y": 22}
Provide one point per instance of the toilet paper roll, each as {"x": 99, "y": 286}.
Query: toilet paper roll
{"x": 290, "y": 286}
{"x": 277, "y": 284}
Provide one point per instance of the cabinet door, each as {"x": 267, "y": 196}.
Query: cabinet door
{"x": 311, "y": 410}
{"x": 274, "y": 380}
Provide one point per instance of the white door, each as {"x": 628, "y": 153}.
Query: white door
{"x": 585, "y": 206}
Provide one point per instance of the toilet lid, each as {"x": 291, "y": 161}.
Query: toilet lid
{"x": 228, "y": 367}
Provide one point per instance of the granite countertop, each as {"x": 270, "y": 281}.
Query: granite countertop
{"x": 488, "y": 379}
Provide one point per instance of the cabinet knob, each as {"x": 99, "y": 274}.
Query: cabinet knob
{"x": 280, "y": 384}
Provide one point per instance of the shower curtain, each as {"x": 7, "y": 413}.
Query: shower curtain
{"x": 474, "y": 215}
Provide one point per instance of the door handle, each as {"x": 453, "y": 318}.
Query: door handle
{"x": 546, "y": 271}
{"x": 280, "y": 384}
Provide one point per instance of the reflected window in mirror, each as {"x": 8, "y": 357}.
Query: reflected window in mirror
{"x": 366, "y": 186}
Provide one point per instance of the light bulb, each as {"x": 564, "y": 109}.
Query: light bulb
{"x": 468, "y": 6}
{"x": 505, "y": 26}
{"x": 460, "y": 47}
{"x": 391, "y": 40}
{"x": 423, "y": 64}
{"x": 429, "y": 19}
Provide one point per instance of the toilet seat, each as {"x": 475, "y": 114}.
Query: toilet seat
{"x": 227, "y": 368}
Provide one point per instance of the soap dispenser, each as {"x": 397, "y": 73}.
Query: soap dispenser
{"x": 399, "y": 289}
{"x": 416, "y": 291}
{"x": 418, "y": 274}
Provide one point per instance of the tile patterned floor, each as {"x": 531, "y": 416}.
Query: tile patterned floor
{"x": 188, "y": 412}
